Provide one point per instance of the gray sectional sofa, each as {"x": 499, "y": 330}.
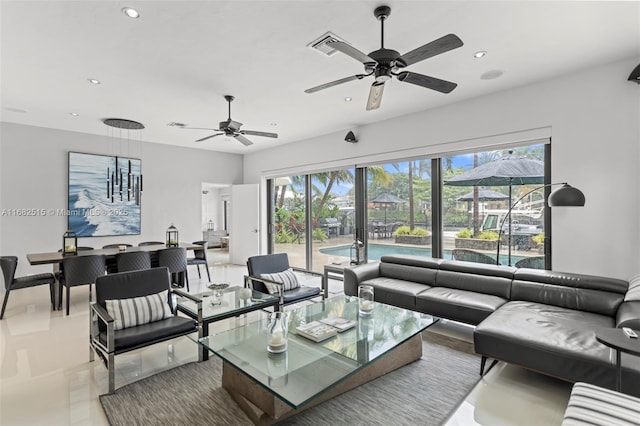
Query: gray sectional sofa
{"x": 541, "y": 320}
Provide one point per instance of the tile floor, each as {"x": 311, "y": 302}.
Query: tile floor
{"x": 46, "y": 377}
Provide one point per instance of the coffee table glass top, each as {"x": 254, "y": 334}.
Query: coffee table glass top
{"x": 307, "y": 368}
{"x": 231, "y": 300}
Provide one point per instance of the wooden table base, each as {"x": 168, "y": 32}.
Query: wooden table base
{"x": 264, "y": 408}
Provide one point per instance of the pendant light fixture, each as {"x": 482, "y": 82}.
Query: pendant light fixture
{"x": 122, "y": 180}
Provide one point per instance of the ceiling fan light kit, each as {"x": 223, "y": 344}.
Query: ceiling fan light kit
{"x": 383, "y": 63}
{"x": 229, "y": 128}
{"x": 350, "y": 137}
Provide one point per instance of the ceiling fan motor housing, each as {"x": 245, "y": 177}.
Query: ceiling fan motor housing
{"x": 230, "y": 125}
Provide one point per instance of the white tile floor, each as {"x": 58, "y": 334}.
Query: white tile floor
{"x": 46, "y": 377}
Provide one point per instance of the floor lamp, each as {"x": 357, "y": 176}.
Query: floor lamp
{"x": 566, "y": 196}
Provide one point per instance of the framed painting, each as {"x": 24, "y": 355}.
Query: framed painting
{"x": 104, "y": 195}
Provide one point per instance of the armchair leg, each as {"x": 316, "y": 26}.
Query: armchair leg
{"x": 208, "y": 274}
{"x": 483, "y": 362}
{"x": 52, "y": 292}
{"x": 4, "y": 304}
{"x": 68, "y": 293}
{"x": 198, "y": 266}
{"x": 112, "y": 375}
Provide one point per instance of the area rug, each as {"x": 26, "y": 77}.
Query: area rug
{"x": 424, "y": 392}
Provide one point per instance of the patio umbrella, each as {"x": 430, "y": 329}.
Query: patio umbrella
{"x": 386, "y": 199}
{"x": 484, "y": 195}
{"x": 510, "y": 170}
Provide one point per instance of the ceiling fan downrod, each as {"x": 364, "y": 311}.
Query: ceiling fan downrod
{"x": 229, "y": 99}
{"x": 382, "y": 13}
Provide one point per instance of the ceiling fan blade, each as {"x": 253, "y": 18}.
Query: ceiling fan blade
{"x": 436, "y": 47}
{"x": 432, "y": 83}
{"x": 349, "y": 50}
{"x": 243, "y": 140}
{"x": 375, "y": 96}
{"x": 209, "y": 137}
{"x": 197, "y": 128}
{"x": 255, "y": 133}
{"x": 335, "y": 83}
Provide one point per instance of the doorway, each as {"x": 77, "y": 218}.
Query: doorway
{"x": 214, "y": 221}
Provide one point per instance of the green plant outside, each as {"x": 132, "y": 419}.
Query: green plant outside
{"x": 405, "y": 230}
{"x": 464, "y": 233}
{"x": 488, "y": 235}
{"x": 538, "y": 239}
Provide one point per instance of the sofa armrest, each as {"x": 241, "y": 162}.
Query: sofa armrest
{"x": 354, "y": 276}
{"x": 629, "y": 315}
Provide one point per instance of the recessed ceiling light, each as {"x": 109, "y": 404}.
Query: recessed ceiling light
{"x": 348, "y": 99}
{"x": 14, "y": 109}
{"x": 273, "y": 124}
{"x": 130, "y": 12}
{"x": 75, "y": 114}
{"x": 491, "y": 75}
{"x": 94, "y": 81}
{"x": 479, "y": 54}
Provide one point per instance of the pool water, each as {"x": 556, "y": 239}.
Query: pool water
{"x": 376, "y": 251}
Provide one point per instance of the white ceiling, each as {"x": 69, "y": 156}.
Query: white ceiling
{"x": 179, "y": 58}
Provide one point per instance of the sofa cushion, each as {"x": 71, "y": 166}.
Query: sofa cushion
{"x": 496, "y": 286}
{"x": 158, "y": 331}
{"x": 395, "y": 292}
{"x": 458, "y": 305}
{"x": 415, "y": 274}
{"x": 554, "y": 340}
{"x": 138, "y": 310}
{"x": 571, "y": 297}
{"x": 287, "y": 278}
{"x": 633, "y": 293}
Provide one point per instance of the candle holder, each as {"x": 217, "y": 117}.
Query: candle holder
{"x": 277, "y": 332}
{"x": 365, "y": 300}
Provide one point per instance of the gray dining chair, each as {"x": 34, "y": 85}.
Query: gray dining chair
{"x": 133, "y": 261}
{"x": 153, "y": 254}
{"x": 200, "y": 258}
{"x": 9, "y": 265}
{"x": 80, "y": 270}
{"x": 175, "y": 259}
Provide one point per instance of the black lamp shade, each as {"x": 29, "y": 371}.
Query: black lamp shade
{"x": 566, "y": 196}
{"x": 172, "y": 236}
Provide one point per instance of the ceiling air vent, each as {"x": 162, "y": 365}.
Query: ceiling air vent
{"x": 320, "y": 44}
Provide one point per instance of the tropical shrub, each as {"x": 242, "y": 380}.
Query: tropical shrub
{"x": 538, "y": 239}
{"x": 402, "y": 230}
{"x": 419, "y": 232}
{"x": 488, "y": 235}
{"x": 319, "y": 235}
{"x": 464, "y": 233}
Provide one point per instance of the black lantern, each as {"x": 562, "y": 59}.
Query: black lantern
{"x": 172, "y": 236}
{"x": 357, "y": 252}
{"x": 69, "y": 243}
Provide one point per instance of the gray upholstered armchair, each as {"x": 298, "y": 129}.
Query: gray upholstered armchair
{"x": 271, "y": 273}
{"x": 133, "y": 310}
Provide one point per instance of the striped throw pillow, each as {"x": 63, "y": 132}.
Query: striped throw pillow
{"x": 138, "y": 310}
{"x": 633, "y": 293}
{"x": 287, "y": 278}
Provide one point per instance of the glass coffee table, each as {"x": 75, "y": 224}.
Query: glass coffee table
{"x": 272, "y": 387}
{"x": 228, "y": 302}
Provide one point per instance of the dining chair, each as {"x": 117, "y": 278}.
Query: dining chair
{"x": 175, "y": 259}
{"x": 133, "y": 261}
{"x": 80, "y": 270}
{"x": 200, "y": 258}
{"x": 153, "y": 254}
{"x": 9, "y": 265}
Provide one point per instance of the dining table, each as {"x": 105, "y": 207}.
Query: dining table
{"x": 55, "y": 258}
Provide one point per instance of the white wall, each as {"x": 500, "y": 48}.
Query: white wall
{"x": 33, "y": 174}
{"x": 593, "y": 118}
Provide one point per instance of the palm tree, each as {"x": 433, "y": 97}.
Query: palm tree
{"x": 328, "y": 179}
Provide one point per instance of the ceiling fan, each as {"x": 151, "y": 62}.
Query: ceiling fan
{"x": 384, "y": 63}
{"x": 232, "y": 128}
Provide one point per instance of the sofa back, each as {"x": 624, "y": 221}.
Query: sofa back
{"x": 477, "y": 277}
{"x": 410, "y": 268}
{"x": 588, "y": 293}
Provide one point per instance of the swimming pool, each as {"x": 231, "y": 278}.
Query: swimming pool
{"x": 376, "y": 251}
